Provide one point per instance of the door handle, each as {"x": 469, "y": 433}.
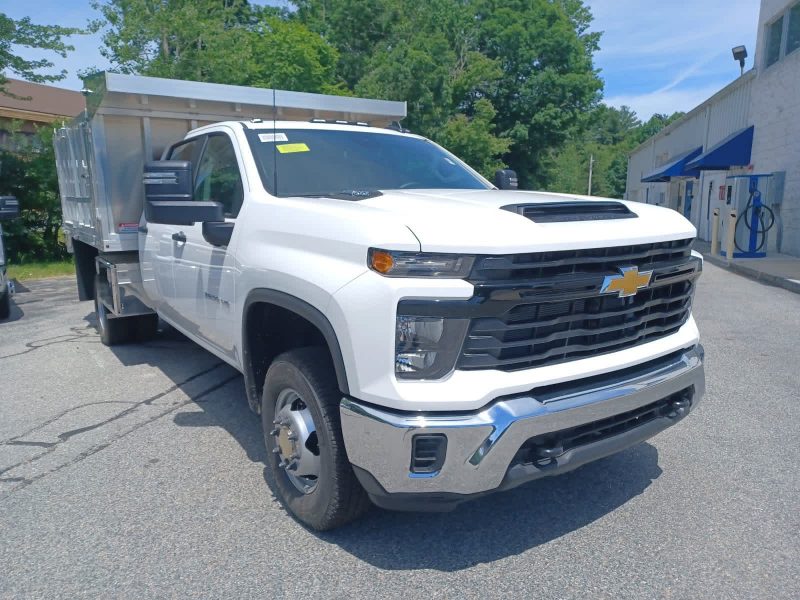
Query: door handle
{"x": 179, "y": 237}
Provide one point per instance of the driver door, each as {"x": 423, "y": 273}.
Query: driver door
{"x": 205, "y": 275}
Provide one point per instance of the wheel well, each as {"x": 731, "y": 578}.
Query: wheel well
{"x": 271, "y": 330}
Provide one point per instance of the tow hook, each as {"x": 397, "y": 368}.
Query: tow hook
{"x": 545, "y": 456}
{"x": 678, "y": 409}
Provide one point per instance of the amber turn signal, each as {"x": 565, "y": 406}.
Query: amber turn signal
{"x": 381, "y": 261}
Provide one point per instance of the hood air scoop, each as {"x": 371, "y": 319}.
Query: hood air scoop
{"x": 561, "y": 212}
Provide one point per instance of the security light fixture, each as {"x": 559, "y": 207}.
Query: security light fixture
{"x": 739, "y": 53}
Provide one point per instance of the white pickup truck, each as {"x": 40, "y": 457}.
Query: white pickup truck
{"x": 411, "y": 334}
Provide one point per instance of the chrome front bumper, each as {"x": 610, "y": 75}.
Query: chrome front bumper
{"x": 483, "y": 448}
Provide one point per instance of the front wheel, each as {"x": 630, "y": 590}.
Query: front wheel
{"x": 305, "y": 450}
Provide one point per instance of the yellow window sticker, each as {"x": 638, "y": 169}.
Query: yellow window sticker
{"x": 290, "y": 148}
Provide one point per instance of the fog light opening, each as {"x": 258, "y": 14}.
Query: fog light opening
{"x": 428, "y": 452}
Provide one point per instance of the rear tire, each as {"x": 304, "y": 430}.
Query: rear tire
{"x": 5, "y": 306}
{"x": 113, "y": 330}
{"x": 333, "y": 496}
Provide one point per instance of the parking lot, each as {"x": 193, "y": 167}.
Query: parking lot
{"x": 138, "y": 472}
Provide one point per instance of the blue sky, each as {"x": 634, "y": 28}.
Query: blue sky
{"x": 655, "y": 56}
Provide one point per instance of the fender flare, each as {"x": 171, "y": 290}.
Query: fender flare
{"x": 302, "y": 309}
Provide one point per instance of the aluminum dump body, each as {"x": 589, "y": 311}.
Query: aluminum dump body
{"x": 130, "y": 120}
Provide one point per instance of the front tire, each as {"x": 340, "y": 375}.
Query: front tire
{"x": 306, "y": 456}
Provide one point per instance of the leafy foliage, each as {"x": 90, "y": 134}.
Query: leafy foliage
{"x": 498, "y": 82}
{"x": 529, "y": 61}
{"x": 609, "y": 137}
{"x": 29, "y": 35}
{"x": 29, "y": 173}
{"x": 473, "y": 139}
{"x": 223, "y": 41}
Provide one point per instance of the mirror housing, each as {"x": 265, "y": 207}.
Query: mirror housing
{"x": 168, "y": 180}
{"x": 218, "y": 233}
{"x": 181, "y": 212}
{"x": 506, "y": 179}
{"x": 9, "y": 208}
{"x": 169, "y": 195}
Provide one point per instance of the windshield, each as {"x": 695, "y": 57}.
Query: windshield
{"x": 318, "y": 162}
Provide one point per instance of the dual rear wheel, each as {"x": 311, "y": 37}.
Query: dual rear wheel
{"x": 120, "y": 330}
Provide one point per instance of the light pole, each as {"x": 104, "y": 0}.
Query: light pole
{"x": 591, "y": 164}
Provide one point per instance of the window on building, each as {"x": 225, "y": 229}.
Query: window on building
{"x": 774, "y": 38}
{"x": 793, "y": 30}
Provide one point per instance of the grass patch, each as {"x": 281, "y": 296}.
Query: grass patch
{"x": 40, "y": 270}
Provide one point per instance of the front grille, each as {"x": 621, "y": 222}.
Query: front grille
{"x": 549, "y": 307}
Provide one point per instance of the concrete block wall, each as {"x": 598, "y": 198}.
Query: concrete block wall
{"x": 775, "y": 112}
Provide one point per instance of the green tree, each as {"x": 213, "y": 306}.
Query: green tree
{"x": 473, "y": 140}
{"x": 222, "y": 41}
{"x": 24, "y": 33}
{"x": 181, "y": 39}
{"x": 28, "y": 172}
{"x": 549, "y": 81}
{"x": 609, "y": 137}
{"x": 425, "y": 54}
{"x": 288, "y": 55}
{"x": 355, "y": 27}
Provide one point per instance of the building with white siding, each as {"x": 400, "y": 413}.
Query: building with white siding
{"x": 707, "y": 159}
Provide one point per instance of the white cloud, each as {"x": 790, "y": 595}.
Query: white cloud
{"x": 665, "y": 102}
{"x": 662, "y": 56}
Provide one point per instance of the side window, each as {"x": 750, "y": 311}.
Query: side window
{"x": 217, "y": 176}
{"x": 185, "y": 150}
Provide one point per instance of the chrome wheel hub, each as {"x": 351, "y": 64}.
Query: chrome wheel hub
{"x": 296, "y": 442}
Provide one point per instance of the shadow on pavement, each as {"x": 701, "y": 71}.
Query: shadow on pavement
{"x": 481, "y": 531}
{"x": 500, "y": 525}
{"x": 16, "y": 313}
{"x": 214, "y": 386}
{"x": 230, "y": 412}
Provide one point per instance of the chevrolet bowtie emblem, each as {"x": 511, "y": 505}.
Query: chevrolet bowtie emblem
{"x": 627, "y": 283}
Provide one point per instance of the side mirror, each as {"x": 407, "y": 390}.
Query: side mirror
{"x": 506, "y": 179}
{"x": 9, "y": 208}
{"x": 169, "y": 195}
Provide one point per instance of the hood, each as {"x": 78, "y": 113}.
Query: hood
{"x": 473, "y": 221}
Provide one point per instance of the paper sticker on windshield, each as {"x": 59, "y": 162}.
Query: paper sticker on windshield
{"x": 290, "y": 148}
{"x": 273, "y": 137}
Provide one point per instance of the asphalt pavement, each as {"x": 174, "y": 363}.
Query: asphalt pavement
{"x": 137, "y": 472}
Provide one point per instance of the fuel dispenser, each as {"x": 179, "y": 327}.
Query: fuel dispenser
{"x": 757, "y": 200}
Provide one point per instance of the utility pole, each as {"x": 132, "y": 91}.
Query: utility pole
{"x": 591, "y": 164}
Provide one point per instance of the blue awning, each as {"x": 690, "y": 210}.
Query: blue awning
{"x": 675, "y": 168}
{"x": 733, "y": 151}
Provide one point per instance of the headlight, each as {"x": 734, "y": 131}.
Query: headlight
{"x": 427, "y": 347}
{"x": 419, "y": 264}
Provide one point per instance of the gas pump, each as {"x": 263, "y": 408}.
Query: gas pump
{"x": 746, "y": 193}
